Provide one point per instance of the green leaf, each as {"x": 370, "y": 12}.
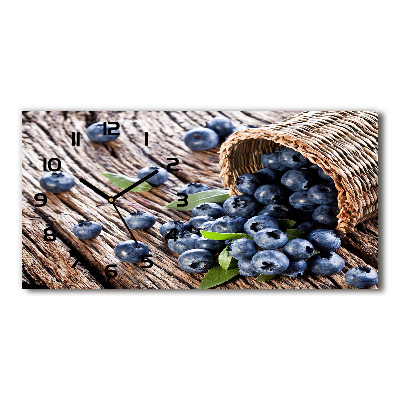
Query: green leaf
{"x": 313, "y": 254}
{"x": 285, "y": 224}
{"x": 226, "y": 261}
{"x": 295, "y": 233}
{"x": 264, "y": 278}
{"x": 193, "y": 200}
{"x": 222, "y": 236}
{"x": 123, "y": 182}
{"x": 217, "y": 275}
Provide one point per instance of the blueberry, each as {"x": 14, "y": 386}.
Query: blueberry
{"x": 86, "y": 229}
{"x": 195, "y": 222}
{"x": 326, "y": 215}
{"x": 243, "y": 127}
{"x": 244, "y": 206}
{"x": 206, "y": 226}
{"x": 325, "y": 240}
{"x": 325, "y": 263}
{"x": 160, "y": 177}
{"x": 361, "y": 277}
{"x": 209, "y": 244}
{"x": 298, "y": 249}
{"x": 95, "y": 132}
{"x": 131, "y": 251}
{"x": 270, "y": 238}
{"x": 212, "y": 210}
{"x": 277, "y": 211}
{"x": 258, "y": 223}
{"x": 180, "y": 226}
{"x": 292, "y": 159}
{"x": 140, "y": 220}
{"x": 271, "y": 160}
{"x": 246, "y": 268}
{"x": 322, "y": 194}
{"x": 308, "y": 226}
{"x": 295, "y": 268}
{"x": 221, "y": 125}
{"x": 247, "y": 183}
{"x": 300, "y": 201}
{"x": 201, "y": 139}
{"x": 270, "y": 194}
{"x": 229, "y": 224}
{"x": 267, "y": 175}
{"x": 184, "y": 241}
{"x": 269, "y": 262}
{"x": 191, "y": 188}
{"x": 324, "y": 176}
{"x": 196, "y": 261}
{"x": 242, "y": 248}
{"x": 298, "y": 179}
{"x": 56, "y": 182}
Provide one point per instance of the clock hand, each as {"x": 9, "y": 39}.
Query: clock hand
{"x": 127, "y": 227}
{"x": 98, "y": 191}
{"x": 134, "y": 185}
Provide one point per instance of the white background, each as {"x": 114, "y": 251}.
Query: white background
{"x": 91, "y": 55}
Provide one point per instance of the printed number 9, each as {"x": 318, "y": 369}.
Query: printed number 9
{"x": 41, "y": 197}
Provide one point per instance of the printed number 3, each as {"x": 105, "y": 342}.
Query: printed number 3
{"x": 183, "y": 199}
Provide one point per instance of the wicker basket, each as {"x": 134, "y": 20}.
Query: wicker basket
{"x": 343, "y": 143}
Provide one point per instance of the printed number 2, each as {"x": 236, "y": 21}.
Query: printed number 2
{"x": 184, "y": 200}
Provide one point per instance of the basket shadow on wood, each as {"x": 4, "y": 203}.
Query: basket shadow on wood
{"x": 343, "y": 143}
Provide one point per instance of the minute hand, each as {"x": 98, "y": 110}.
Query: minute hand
{"x": 134, "y": 185}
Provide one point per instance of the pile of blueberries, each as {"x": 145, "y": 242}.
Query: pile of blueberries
{"x": 288, "y": 187}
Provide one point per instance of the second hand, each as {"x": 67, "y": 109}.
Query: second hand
{"x": 127, "y": 227}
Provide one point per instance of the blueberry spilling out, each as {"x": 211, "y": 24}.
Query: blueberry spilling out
{"x": 191, "y": 188}
{"x": 179, "y": 227}
{"x": 131, "y": 251}
{"x": 244, "y": 206}
{"x": 87, "y": 229}
{"x": 97, "y": 133}
{"x": 201, "y": 139}
{"x": 196, "y": 261}
{"x": 288, "y": 187}
{"x": 361, "y": 277}
{"x": 160, "y": 177}
{"x": 140, "y": 220}
{"x": 222, "y": 126}
{"x": 211, "y": 210}
{"x": 56, "y": 182}
{"x": 247, "y": 183}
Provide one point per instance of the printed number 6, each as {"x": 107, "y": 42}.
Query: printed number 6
{"x": 183, "y": 199}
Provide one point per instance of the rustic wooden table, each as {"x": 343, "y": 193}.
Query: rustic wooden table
{"x": 49, "y": 264}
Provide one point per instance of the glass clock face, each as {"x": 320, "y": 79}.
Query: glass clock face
{"x": 102, "y": 152}
{"x": 135, "y": 200}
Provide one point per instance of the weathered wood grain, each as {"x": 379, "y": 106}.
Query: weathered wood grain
{"x": 48, "y": 264}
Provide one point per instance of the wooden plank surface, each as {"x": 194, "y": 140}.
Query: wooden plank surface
{"x": 49, "y": 264}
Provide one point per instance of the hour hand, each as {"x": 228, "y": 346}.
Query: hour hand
{"x": 95, "y": 189}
